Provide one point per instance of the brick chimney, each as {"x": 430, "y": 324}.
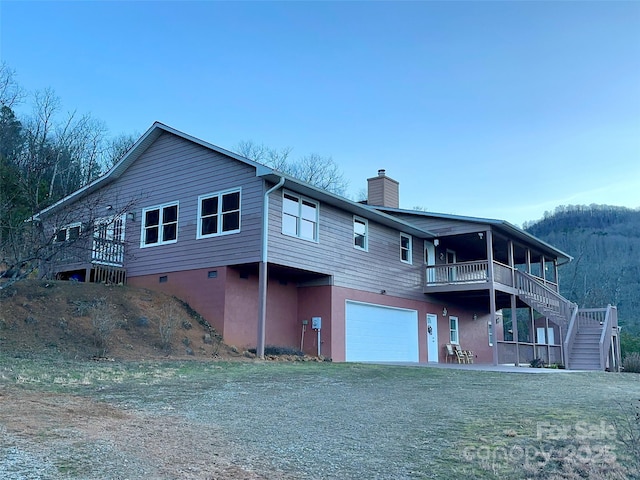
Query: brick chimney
{"x": 383, "y": 191}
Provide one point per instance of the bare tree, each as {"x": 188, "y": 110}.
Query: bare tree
{"x": 322, "y": 172}
{"x": 277, "y": 159}
{"x": 50, "y": 239}
{"x": 118, "y": 146}
{"x": 10, "y": 92}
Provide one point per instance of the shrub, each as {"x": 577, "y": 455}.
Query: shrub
{"x": 275, "y": 350}
{"x": 631, "y": 362}
{"x": 536, "y": 363}
{"x": 167, "y": 325}
{"x": 103, "y": 321}
{"x": 629, "y": 343}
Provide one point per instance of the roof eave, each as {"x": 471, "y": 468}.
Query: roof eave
{"x": 512, "y": 229}
{"x": 365, "y": 211}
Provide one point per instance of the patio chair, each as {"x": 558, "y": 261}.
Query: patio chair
{"x": 460, "y": 355}
{"x": 469, "y": 355}
{"x": 449, "y": 353}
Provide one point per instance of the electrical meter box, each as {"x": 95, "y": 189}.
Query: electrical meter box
{"x": 316, "y": 323}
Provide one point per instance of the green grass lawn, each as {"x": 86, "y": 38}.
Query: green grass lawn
{"x": 371, "y": 421}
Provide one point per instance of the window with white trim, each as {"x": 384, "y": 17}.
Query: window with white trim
{"x": 219, "y": 213}
{"x": 299, "y": 217}
{"x": 160, "y": 225}
{"x": 68, "y": 233}
{"x": 453, "y": 330}
{"x": 405, "y": 248}
{"x": 360, "y": 233}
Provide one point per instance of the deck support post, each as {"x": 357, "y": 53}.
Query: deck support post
{"x": 492, "y": 295}
{"x": 514, "y": 308}
{"x": 514, "y": 328}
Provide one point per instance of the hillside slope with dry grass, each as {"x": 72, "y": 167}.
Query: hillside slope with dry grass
{"x": 83, "y": 320}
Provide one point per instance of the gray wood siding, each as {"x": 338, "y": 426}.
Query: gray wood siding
{"x": 175, "y": 170}
{"x": 375, "y": 270}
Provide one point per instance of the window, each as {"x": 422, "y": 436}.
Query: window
{"x": 68, "y": 233}
{"x": 453, "y": 330}
{"x": 360, "y": 233}
{"x": 299, "y": 217}
{"x": 219, "y": 214}
{"x": 405, "y": 248}
{"x": 490, "y": 329}
{"x": 160, "y": 225}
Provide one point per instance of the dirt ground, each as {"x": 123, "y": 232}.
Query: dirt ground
{"x": 56, "y": 435}
{"x": 83, "y": 320}
{"x": 37, "y": 429}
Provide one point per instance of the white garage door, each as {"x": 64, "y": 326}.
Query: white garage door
{"x": 383, "y": 334}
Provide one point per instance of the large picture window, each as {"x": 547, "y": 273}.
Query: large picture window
{"x": 405, "y": 248}
{"x": 219, "y": 213}
{"x": 160, "y": 225}
{"x": 299, "y": 217}
{"x": 360, "y": 233}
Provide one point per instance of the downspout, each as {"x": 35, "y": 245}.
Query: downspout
{"x": 262, "y": 272}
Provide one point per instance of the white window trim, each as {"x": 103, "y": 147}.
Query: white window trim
{"x": 410, "y": 249}
{"x": 366, "y": 233}
{"x": 456, "y": 330}
{"x": 67, "y": 229}
{"x": 219, "y": 195}
{"x": 143, "y": 225}
{"x": 299, "y": 217}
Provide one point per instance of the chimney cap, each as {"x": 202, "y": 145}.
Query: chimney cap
{"x": 382, "y": 172}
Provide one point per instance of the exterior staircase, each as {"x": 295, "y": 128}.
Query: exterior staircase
{"x": 545, "y": 300}
{"x": 590, "y": 335}
{"x": 585, "y": 352}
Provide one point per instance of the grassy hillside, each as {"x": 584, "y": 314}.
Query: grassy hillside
{"x": 605, "y": 243}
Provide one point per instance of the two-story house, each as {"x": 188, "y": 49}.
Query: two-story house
{"x": 268, "y": 259}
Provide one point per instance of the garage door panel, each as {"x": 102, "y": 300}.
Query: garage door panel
{"x": 379, "y": 333}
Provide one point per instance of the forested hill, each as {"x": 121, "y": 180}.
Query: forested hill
{"x": 604, "y": 242}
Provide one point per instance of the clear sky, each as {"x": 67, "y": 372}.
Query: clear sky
{"x": 489, "y": 109}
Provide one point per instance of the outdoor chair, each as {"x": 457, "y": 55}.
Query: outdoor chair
{"x": 449, "y": 353}
{"x": 460, "y": 354}
{"x": 469, "y": 355}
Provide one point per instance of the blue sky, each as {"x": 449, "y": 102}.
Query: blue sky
{"x": 489, "y": 109}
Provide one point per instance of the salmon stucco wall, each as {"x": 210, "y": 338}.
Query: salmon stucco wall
{"x": 241, "y": 309}
{"x": 473, "y": 334}
{"x": 316, "y": 302}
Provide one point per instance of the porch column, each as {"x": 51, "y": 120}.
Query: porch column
{"x": 542, "y": 269}
{"x": 514, "y": 327}
{"x": 528, "y": 261}
{"x": 492, "y": 295}
{"x": 555, "y": 274}
{"x": 514, "y": 310}
{"x": 546, "y": 338}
